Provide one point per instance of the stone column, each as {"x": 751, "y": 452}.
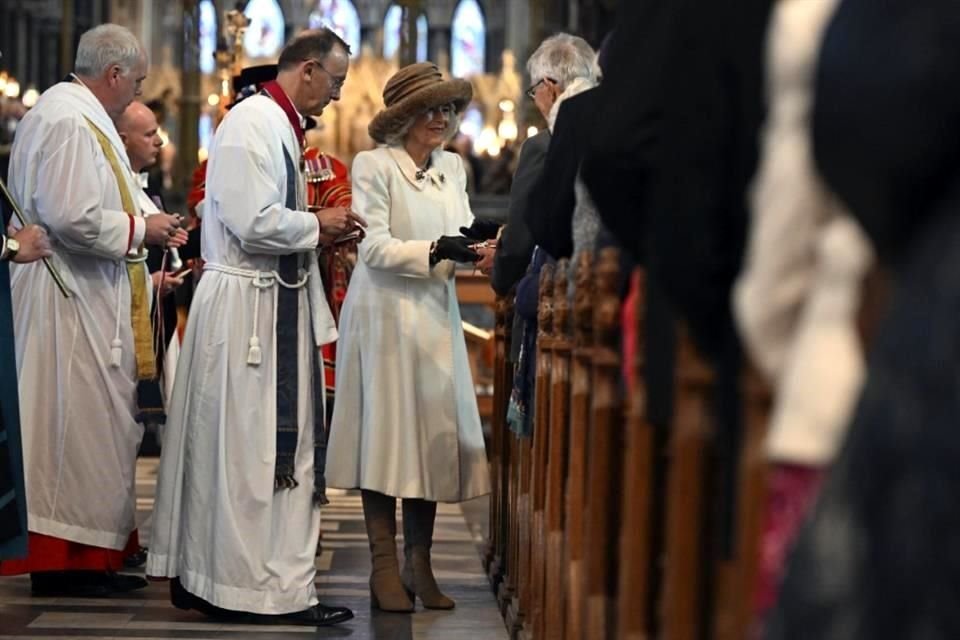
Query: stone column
{"x": 67, "y": 18}
{"x": 519, "y": 31}
{"x": 190, "y": 100}
{"x": 411, "y": 10}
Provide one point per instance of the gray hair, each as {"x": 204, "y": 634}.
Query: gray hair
{"x": 564, "y": 58}
{"x": 396, "y": 138}
{"x": 105, "y": 46}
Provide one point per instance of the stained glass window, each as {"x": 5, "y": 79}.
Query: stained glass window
{"x": 267, "y": 31}
{"x": 341, "y": 17}
{"x": 391, "y": 33}
{"x": 469, "y": 39}
{"x": 208, "y": 36}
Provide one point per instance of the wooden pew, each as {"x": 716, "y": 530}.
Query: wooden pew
{"x": 605, "y": 458}
{"x": 736, "y": 576}
{"x": 491, "y": 557}
{"x": 581, "y": 373}
{"x": 541, "y": 438}
{"x": 500, "y": 461}
{"x": 686, "y": 571}
{"x": 530, "y": 505}
{"x": 555, "y": 578}
{"x": 636, "y": 531}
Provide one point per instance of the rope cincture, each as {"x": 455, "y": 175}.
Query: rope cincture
{"x": 260, "y": 280}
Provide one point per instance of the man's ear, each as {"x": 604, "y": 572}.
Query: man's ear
{"x": 123, "y": 137}
{"x": 114, "y": 73}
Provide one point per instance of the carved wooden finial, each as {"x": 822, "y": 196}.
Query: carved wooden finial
{"x": 545, "y": 306}
{"x": 606, "y": 308}
{"x": 583, "y": 299}
{"x": 561, "y": 301}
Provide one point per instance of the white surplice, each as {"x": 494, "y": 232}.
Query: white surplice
{"x": 80, "y": 434}
{"x": 218, "y": 522}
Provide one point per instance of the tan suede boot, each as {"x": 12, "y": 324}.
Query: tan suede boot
{"x": 418, "y": 520}
{"x": 386, "y": 591}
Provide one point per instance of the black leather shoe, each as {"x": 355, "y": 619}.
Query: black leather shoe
{"x": 316, "y": 616}
{"x": 69, "y": 584}
{"x": 183, "y": 599}
{"x": 122, "y": 583}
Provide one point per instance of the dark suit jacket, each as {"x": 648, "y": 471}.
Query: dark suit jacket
{"x": 516, "y": 243}
{"x": 550, "y": 214}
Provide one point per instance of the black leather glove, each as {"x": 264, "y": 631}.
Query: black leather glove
{"x": 456, "y": 248}
{"x": 481, "y": 229}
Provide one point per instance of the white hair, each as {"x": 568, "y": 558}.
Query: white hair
{"x": 564, "y": 58}
{"x": 397, "y": 137}
{"x": 105, "y": 46}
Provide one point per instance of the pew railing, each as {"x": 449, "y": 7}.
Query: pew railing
{"x": 541, "y": 436}
{"x": 636, "y": 553}
{"x": 685, "y": 574}
{"x": 605, "y": 452}
{"x": 581, "y": 372}
{"x": 555, "y": 579}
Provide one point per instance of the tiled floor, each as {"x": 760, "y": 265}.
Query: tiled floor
{"x": 344, "y": 566}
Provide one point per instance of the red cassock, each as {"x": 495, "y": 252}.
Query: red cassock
{"x": 47, "y": 553}
{"x": 328, "y": 185}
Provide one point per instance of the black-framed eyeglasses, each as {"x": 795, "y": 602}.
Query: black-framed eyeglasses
{"x": 532, "y": 91}
{"x": 335, "y": 82}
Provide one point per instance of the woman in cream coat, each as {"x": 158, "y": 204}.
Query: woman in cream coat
{"x": 405, "y": 423}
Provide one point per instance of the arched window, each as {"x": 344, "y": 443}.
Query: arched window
{"x": 391, "y": 33}
{"x": 208, "y": 36}
{"x": 341, "y": 17}
{"x": 469, "y": 40}
{"x": 267, "y": 31}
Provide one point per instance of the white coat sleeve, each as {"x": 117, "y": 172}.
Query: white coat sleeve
{"x": 250, "y": 204}
{"x": 69, "y": 192}
{"x": 465, "y": 197}
{"x": 380, "y": 250}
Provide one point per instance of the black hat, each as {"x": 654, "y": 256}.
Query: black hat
{"x": 254, "y": 76}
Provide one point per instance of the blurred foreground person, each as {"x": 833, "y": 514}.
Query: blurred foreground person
{"x": 878, "y": 559}
{"x": 798, "y": 296}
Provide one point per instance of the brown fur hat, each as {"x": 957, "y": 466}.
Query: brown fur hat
{"x": 411, "y": 91}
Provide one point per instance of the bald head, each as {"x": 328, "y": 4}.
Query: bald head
{"x": 138, "y": 129}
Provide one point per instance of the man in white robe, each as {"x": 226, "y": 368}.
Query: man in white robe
{"x": 139, "y": 130}
{"x": 237, "y": 517}
{"x": 78, "y": 357}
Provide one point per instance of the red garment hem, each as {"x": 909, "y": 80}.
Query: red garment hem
{"x": 47, "y": 553}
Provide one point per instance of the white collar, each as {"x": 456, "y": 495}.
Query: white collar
{"x": 419, "y": 178}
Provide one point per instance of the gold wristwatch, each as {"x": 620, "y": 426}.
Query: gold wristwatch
{"x": 11, "y": 248}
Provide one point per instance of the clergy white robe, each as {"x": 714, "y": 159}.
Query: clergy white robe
{"x": 218, "y": 522}
{"x": 80, "y": 434}
{"x": 405, "y": 421}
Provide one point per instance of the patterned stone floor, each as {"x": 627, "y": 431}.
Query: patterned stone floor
{"x": 344, "y": 569}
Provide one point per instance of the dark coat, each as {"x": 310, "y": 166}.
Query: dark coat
{"x": 149, "y": 393}
{"x": 516, "y": 244}
{"x": 672, "y": 149}
{"x": 878, "y": 559}
{"x": 13, "y": 500}
{"x": 550, "y": 213}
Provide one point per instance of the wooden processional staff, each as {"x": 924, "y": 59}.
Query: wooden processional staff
{"x": 54, "y": 273}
